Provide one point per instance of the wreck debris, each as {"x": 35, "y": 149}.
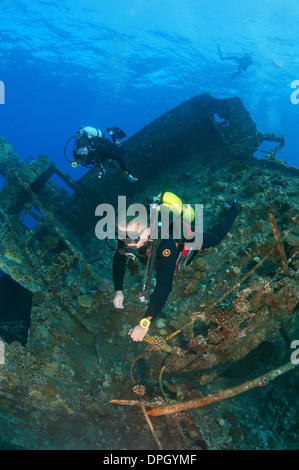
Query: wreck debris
{"x": 222, "y": 394}
{"x": 142, "y": 405}
{"x": 249, "y": 273}
{"x": 271, "y": 137}
{"x": 229, "y": 320}
{"x": 133, "y": 402}
{"x": 262, "y": 137}
{"x": 161, "y": 383}
{"x": 279, "y": 244}
{"x": 151, "y": 427}
{"x": 195, "y": 317}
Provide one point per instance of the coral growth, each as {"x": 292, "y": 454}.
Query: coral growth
{"x": 157, "y": 343}
{"x": 85, "y": 301}
{"x": 61, "y": 265}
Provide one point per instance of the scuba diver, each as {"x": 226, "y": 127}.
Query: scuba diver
{"x": 91, "y": 148}
{"x": 166, "y": 256}
{"x": 243, "y": 62}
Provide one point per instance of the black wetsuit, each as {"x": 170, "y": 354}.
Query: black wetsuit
{"x": 107, "y": 150}
{"x": 101, "y": 150}
{"x": 166, "y": 259}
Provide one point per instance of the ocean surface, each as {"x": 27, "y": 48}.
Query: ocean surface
{"x": 71, "y": 63}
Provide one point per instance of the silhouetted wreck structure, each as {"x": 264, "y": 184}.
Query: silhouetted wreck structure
{"x": 48, "y": 250}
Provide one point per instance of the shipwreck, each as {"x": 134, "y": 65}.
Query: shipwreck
{"x": 71, "y": 378}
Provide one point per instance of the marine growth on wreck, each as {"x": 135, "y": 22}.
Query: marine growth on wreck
{"x": 216, "y": 371}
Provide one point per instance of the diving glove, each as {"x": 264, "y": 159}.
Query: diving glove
{"x": 232, "y": 205}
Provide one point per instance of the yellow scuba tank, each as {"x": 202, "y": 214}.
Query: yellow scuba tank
{"x": 188, "y": 213}
{"x": 170, "y": 200}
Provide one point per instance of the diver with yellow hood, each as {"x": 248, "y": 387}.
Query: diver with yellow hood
{"x": 165, "y": 255}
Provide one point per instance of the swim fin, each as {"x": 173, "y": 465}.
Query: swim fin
{"x": 116, "y": 132}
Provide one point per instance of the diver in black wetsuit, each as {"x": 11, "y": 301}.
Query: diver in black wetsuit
{"x": 167, "y": 256}
{"x": 243, "y": 62}
{"x": 91, "y": 148}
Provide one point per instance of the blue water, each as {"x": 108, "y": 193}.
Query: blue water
{"x": 71, "y": 63}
